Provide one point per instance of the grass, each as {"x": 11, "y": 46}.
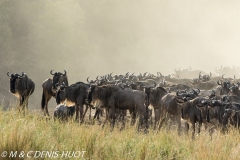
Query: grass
{"x": 34, "y": 133}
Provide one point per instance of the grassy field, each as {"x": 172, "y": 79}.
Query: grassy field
{"x": 33, "y": 135}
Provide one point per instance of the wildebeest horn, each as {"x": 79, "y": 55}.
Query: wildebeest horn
{"x": 87, "y": 79}
{"x": 200, "y": 75}
{"x": 51, "y": 72}
{"x": 97, "y": 78}
{"x": 154, "y": 85}
{"x": 8, "y": 74}
{"x": 65, "y": 73}
{"x": 178, "y": 93}
{"x": 198, "y": 90}
{"x": 223, "y": 76}
{"x": 23, "y": 74}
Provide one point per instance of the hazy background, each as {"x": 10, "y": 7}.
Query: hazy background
{"x": 90, "y": 38}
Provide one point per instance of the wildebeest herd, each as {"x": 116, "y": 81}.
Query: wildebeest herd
{"x": 212, "y": 101}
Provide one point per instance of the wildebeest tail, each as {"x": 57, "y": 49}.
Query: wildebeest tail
{"x": 146, "y": 101}
{"x": 43, "y": 101}
{"x": 200, "y": 118}
{"x": 208, "y": 117}
{"x": 182, "y": 113}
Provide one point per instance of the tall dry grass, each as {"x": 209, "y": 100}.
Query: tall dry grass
{"x": 32, "y": 132}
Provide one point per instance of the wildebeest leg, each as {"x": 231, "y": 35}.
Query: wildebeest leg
{"x": 77, "y": 112}
{"x": 85, "y": 112}
{"x": 133, "y": 116}
{"x": 157, "y": 117}
{"x": 199, "y": 127}
{"x": 81, "y": 113}
{"x": 20, "y": 104}
{"x": 96, "y": 114}
{"x": 113, "y": 117}
{"x": 178, "y": 120}
{"x": 26, "y": 105}
{"x": 107, "y": 117}
{"x": 90, "y": 113}
{"x": 193, "y": 130}
{"x": 146, "y": 120}
{"x": 187, "y": 127}
{"x": 47, "y": 98}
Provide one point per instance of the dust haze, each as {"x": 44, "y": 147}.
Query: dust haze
{"x": 90, "y": 38}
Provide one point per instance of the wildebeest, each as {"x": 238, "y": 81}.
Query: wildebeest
{"x": 63, "y": 112}
{"x": 75, "y": 94}
{"x": 49, "y": 88}
{"x": 233, "y": 115}
{"x": 191, "y": 111}
{"x": 112, "y": 96}
{"x": 22, "y": 87}
{"x": 154, "y": 99}
{"x": 182, "y": 106}
{"x": 234, "y": 90}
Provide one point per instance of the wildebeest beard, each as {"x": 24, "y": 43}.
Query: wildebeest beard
{"x": 89, "y": 98}
{"x": 58, "y": 97}
{"x": 12, "y": 85}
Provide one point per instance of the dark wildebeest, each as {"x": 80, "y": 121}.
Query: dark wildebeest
{"x": 230, "y": 98}
{"x": 49, "y": 88}
{"x": 232, "y": 114}
{"x": 112, "y": 97}
{"x": 75, "y": 94}
{"x": 178, "y": 106}
{"x": 22, "y": 87}
{"x": 63, "y": 112}
{"x": 154, "y": 96}
{"x": 191, "y": 111}
{"x": 223, "y": 88}
{"x": 234, "y": 90}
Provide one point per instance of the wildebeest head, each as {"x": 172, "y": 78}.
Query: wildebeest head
{"x": 90, "y": 94}
{"x": 14, "y": 81}
{"x": 225, "y": 84}
{"x": 229, "y": 114}
{"x": 195, "y": 81}
{"x": 148, "y": 89}
{"x": 205, "y": 78}
{"x": 234, "y": 89}
{"x": 183, "y": 95}
{"x": 61, "y": 94}
{"x": 59, "y": 78}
